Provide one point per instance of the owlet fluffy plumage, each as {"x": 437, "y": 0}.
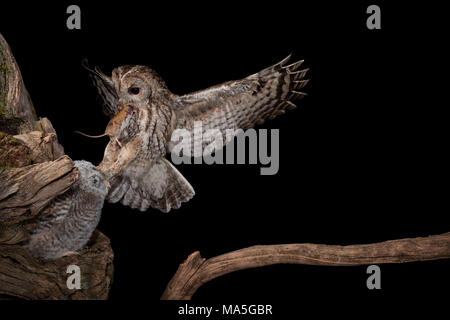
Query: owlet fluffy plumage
{"x": 71, "y": 217}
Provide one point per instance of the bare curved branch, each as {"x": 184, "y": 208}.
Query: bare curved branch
{"x": 196, "y": 271}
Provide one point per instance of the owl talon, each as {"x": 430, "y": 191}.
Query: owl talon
{"x": 118, "y": 142}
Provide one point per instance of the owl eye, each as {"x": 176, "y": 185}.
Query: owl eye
{"x": 133, "y": 90}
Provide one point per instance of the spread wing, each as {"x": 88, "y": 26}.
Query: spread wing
{"x": 107, "y": 94}
{"x": 243, "y": 103}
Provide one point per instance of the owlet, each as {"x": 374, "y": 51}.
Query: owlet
{"x": 71, "y": 217}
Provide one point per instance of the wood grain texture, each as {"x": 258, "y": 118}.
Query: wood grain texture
{"x": 25, "y": 277}
{"x": 33, "y": 171}
{"x": 17, "y": 114}
{"x": 195, "y": 270}
{"x": 27, "y": 190}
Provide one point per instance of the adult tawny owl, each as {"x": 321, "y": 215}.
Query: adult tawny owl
{"x": 145, "y": 113}
{"x": 71, "y": 217}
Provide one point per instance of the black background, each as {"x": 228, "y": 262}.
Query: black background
{"x": 363, "y": 159}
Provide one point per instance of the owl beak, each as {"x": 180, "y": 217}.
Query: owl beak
{"x": 106, "y": 183}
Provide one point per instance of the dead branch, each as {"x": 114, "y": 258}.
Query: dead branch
{"x": 195, "y": 270}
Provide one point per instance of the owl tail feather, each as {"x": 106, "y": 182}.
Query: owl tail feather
{"x": 162, "y": 187}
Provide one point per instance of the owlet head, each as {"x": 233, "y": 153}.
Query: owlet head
{"x": 90, "y": 179}
{"x": 136, "y": 84}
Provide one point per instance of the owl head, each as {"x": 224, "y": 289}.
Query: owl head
{"x": 90, "y": 179}
{"x": 138, "y": 84}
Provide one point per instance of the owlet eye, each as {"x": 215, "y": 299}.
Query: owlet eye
{"x": 133, "y": 90}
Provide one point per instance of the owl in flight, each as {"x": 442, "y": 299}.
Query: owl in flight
{"x": 71, "y": 217}
{"x": 144, "y": 114}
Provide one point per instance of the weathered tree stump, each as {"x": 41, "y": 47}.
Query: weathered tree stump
{"x": 17, "y": 113}
{"x": 33, "y": 171}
